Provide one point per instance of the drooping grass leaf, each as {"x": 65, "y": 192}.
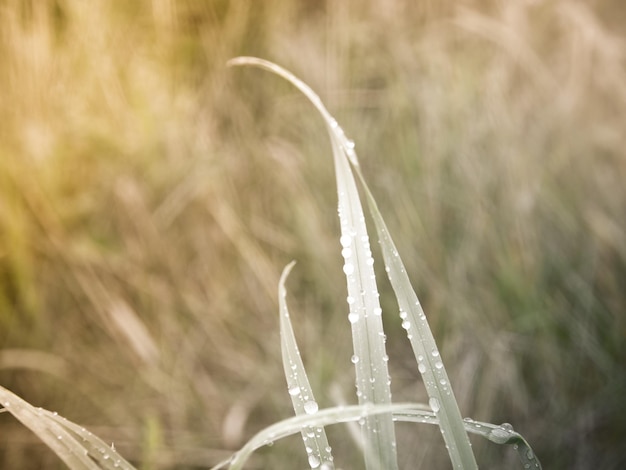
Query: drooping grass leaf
{"x": 76, "y": 446}
{"x": 315, "y": 440}
{"x": 407, "y": 412}
{"x": 370, "y": 358}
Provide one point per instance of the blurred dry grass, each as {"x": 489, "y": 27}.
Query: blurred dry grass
{"x": 149, "y": 198}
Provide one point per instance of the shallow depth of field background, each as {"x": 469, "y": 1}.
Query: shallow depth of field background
{"x": 150, "y": 197}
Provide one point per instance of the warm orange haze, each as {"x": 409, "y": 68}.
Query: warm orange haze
{"x": 150, "y": 197}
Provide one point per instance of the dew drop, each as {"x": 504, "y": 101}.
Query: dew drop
{"x": 434, "y": 404}
{"x": 350, "y": 300}
{"x": 507, "y": 426}
{"x": 345, "y": 240}
{"x": 439, "y": 365}
{"x": 353, "y": 317}
{"x": 378, "y": 311}
{"x": 310, "y": 407}
{"x": 435, "y": 353}
{"x": 403, "y": 314}
{"x": 293, "y": 391}
{"x": 354, "y": 359}
{"x": 348, "y": 268}
{"x": 346, "y": 252}
{"x": 406, "y": 324}
{"x": 499, "y": 435}
{"x": 421, "y": 367}
{"x": 314, "y": 462}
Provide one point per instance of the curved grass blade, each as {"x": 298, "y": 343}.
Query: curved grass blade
{"x": 74, "y": 445}
{"x": 408, "y": 412}
{"x": 323, "y": 417}
{"x": 372, "y": 377}
{"x": 314, "y": 438}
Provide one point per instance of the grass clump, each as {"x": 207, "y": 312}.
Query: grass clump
{"x": 370, "y": 358}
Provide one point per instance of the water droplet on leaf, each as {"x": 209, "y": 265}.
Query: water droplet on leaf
{"x": 314, "y": 462}
{"x": 310, "y": 407}
{"x": 434, "y": 404}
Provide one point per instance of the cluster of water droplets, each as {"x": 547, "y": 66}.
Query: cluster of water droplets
{"x": 347, "y": 241}
{"x": 346, "y": 144}
{"x": 309, "y": 405}
{"x": 317, "y": 461}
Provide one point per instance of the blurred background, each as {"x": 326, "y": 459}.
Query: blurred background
{"x": 150, "y": 197}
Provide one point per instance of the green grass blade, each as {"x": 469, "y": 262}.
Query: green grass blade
{"x": 430, "y": 363}
{"x": 314, "y": 438}
{"x": 323, "y": 417}
{"x": 408, "y": 412}
{"x": 372, "y": 377}
{"x": 77, "y": 447}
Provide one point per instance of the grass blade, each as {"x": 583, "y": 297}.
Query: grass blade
{"x": 372, "y": 377}
{"x": 430, "y": 363}
{"x": 408, "y": 412}
{"x": 77, "y": 447}
{"x": 314, "y": 438}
